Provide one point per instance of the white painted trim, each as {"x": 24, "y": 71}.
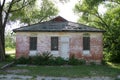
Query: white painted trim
{"x": 86, "y": 52}
{"x": 55, "y": 53}
{"x": 32, "y": 53}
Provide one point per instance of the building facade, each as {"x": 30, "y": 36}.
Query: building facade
{"x": 61, "y": 38}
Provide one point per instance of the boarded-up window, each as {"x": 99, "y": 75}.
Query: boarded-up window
{"x": 86, "y": 42}
{"x": 33, "y": 43}
{"x": 54, "y": 43}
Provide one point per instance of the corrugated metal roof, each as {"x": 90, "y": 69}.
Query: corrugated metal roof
{"x": 57, "y": 25}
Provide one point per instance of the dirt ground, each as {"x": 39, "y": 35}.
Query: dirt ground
{"x": 22, "y": 77}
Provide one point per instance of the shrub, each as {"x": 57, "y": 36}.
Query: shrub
{"x": 9, "y": 58}
{"x": 22, "y": 60}
{"x": 60, "y": 61}
{"x": 42, "y": 59}
{"x": 82, "y": 61}
{"x": 47, "y": 59}
{"x": 92, "y": 63}
{"x": 74, "y": 61}
{"x": 36, "y": 60}
{"x": 117, "y": 78}
{"x": 46, "y": 55}
{"x": 51, "y": 61}
{"x": 103, "y": 62}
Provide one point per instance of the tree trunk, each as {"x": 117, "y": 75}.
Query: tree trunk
{"x": 2, "y": 44}
{"x": 2, "y": 39}
{"x": 2, "y": 35}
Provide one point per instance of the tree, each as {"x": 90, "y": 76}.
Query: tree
{"x": 25, "y": 11}
{"x": 9, "y": 40}
{"x": 112, "y": 36}
{"x": 109, "y": 21}
{"x": 37, "y": 13}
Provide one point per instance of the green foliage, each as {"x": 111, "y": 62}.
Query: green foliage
{"x": 9, "y": 40}
{"x": 46, "y": 55}
{"x": 22, "y": 60}
{"x": 108, "y": 21}
{"x": 60, "y": 61}
{"x": 34, "y": 12}
{"x": 112, "y": 36}
{"x": 68, "y": 71}
{"x": 87, "y": 10}
{"x": 92, "y": 63}
{"x": 9, "y": 58}
{"x": 103, "y": 62}
{"x": 117, "y": 79}
{"x": 47, "y": 59}
{"x": 26, "y": 12}
{"x": 74, "y": 61}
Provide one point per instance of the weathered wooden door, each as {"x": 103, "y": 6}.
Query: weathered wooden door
{"x": 64, "y": 47}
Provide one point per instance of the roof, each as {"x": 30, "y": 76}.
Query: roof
{"x": 57, "y": 24}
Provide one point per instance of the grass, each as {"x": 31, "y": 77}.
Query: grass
{"x": 70, "y": 71}
{"x": 10, "y": 52}
{"x": 3, "y": 63}
{"x": 9, "y": 49}
{"x": 110, "y": 69}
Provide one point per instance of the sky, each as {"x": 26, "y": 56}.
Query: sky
{"x": 66, "y": 10}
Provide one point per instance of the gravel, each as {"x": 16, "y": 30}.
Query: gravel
{"x": 22, "y": 77}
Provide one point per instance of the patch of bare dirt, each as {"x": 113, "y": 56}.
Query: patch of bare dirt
{"x": 17, "y": 71}
{"x": 22, "y": 77}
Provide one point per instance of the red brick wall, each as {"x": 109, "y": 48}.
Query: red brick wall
{"x": 75, "y": 45}
{"x": 96, "y": 47}
{"x": 22, "y": 46}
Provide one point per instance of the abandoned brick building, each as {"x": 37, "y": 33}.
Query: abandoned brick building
{"x": 61, "y": 38}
